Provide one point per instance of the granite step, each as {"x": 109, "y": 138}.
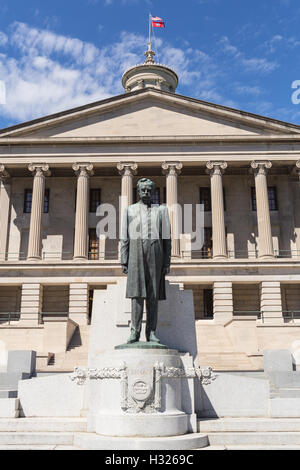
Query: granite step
{"x": 37, "y": 447}
{"x": 251, "y": 447}
{"x": 213, "y": 425}
{"x": 36, "y": 438}
{"x": 43, "y": 425}
{"x": 255, "y": 438}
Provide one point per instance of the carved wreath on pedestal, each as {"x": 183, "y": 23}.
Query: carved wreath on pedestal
{"x": 143, "y": 396}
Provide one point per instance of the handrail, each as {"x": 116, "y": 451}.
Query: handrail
{"x": 8, "y": 317}
{"x": 257, "y": 313}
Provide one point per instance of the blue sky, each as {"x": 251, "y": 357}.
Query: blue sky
{"x": 58, "y": 54}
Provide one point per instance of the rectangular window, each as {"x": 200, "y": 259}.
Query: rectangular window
{"x": 272, "y": 197}
{"x": 208, "y": 304}
{"x": 156, "y": 196}
{"x": 205, "y": 199}
{"x": 206, "y": 251}
{"x": 93, "y": 244}
{"x": 46, "y": 201}
{"x": 95, "y": 199}
{"x": 28, "y": 201}
{"x": 135, "y": 196}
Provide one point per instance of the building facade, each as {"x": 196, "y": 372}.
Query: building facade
{"x": 244, "y": 169}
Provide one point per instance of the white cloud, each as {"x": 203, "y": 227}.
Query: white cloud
{"x": 228, "y": 47}
{"x": 46, "y": 72}
{"x": 3, "y": 39}
{"x": 248, "y": 90}
{"x": 257, "y": 64}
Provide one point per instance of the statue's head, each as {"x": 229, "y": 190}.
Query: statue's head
{"x": 145, "y": 189}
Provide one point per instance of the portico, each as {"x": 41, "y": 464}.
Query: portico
{"x": 241, "y": 167}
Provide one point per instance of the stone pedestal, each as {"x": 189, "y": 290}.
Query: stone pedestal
{"x": 137, "y": 392}
{"x": 141, "y": 393}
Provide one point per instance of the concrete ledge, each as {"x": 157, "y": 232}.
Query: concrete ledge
{"x": 50, "y": 396}
{"x": 233, "y": 395}
{"x": 9, "y": 407}
{"x": 254, "y": 438}
{"x": 39, "y": 438}
{"x": 285, "y": 407}
{"x": 43, "y": 425}
{"x": 248, "y": 425}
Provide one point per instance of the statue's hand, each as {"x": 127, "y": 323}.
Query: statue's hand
{"x": 124, "y": 269}
{"x": 166, "y": 270}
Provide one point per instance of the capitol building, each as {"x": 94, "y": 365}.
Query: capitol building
{"x": 243, "y": 168}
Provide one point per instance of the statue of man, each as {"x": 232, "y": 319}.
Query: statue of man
{"x": 145, "y": 258}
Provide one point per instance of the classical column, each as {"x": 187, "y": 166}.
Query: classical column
{"x": 265, "y": 242}
{"x": 127, "y": 170}
{"x": 217, "y": 209}
{"x": 5, "y": 191}
{"x": 83, "y": 172}
{"x": 172, "y": 170}
{"x": 37, "y": 207}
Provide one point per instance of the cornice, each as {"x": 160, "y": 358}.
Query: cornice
{"x": 192, "y": 139}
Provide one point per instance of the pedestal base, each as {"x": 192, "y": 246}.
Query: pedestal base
{"x": 140, "y": 392}
{"x": 91, "y": 441}
{"x": 142, "y": 424}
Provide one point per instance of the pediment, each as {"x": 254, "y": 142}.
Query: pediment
{"x": 150, "y": 113}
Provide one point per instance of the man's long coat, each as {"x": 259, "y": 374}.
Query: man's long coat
{"x": 132, "y": 254}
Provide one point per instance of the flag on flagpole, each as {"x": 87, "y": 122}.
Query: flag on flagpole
{"x": 157, "y": 22}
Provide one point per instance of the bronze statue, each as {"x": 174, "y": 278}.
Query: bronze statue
{"x": 145, "y": 258}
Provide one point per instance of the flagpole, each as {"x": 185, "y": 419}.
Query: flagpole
{"x": 149, "y": 43}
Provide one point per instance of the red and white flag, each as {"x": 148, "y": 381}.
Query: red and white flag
{"x": 157, "y": 22}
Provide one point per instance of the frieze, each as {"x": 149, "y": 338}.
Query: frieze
{"x": 140, "y": 394}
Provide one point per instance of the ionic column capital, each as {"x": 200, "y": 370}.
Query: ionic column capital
{"x": 83, "y": 169}
{"x": 39, "y": 169}
{"x": 127, "y": 168}
{"x": 3, "y": 173}
{"x": 261, "y": 167}
{"x": 172, "y": 168}
{"x": 216, "y": 168}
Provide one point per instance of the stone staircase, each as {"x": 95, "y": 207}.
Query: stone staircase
{"x": 71, "y": 434}
{"x": 228, "y": 361}
{"x": 40, "y": 433}
{"x": 221, "y": 434}
{"x": 76, "y": 354}
{"x": 251, "y": 433}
